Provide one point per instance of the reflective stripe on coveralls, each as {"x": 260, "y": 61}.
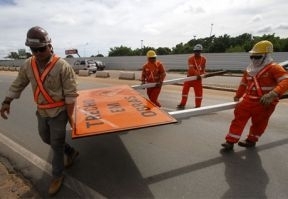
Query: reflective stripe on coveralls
{"x": 40, "y": 87}
{"x": 194, "y": 69}
{"x": 250, "y": 107}
{"x": 255, "y": 84}
{"x": 153, "y": 73}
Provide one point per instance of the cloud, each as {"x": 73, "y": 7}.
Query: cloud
{"x": 256, "y": 18}
{"x": 105, "y": 24}
{"x": 282, "y": 26}
{"x": 264, "y": 30}
{"x": 62, "y": 19}
{"x": 7, "y": 2}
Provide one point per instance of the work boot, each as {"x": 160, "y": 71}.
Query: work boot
{"x": 55, "y": 185}
{"x": 69, "y": 158}
{"x": 180, "y": 106}
{"x": 247, "y": 143}
{"x": 228, "y": 145}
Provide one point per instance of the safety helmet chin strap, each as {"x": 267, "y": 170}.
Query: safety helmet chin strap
{"x": 264, "y": 58}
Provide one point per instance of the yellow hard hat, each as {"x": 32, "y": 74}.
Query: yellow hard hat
{"x": 262, "y": 47}
{"x": 151, "y": 54}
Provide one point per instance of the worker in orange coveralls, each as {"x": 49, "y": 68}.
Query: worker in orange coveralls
{"x": 263, "y": 82}
{"x": 196, "y": 67}
{"x": 153, "y": 72}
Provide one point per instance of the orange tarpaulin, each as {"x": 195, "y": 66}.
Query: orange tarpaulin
{"x": 112, "y": 109}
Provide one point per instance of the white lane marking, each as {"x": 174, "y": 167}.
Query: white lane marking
{"x": 81, "y": 189}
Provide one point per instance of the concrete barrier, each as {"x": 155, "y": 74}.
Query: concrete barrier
{"x": 103, "y": 74}
{"x": 12, "y": 68}
{"x": 83, "y": 73}
{"x": 127, "y": 75}
{"x": 1, "y": 67}
{"x": 6, "y": 68}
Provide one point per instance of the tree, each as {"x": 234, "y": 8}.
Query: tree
{"x": 178, "y": 49}
{"x": 13, "y": 55}
{"x": 220, "y": 44}
{"x": 163, "y": 51}
{"x": 284, "y": 45}
{"x": 212, "y": 44}
{"x": 120, "y": 51}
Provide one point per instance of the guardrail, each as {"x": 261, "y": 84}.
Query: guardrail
{"x": 9, "y": 68}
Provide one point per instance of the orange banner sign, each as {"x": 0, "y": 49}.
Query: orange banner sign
{"x": 113, "y": 109}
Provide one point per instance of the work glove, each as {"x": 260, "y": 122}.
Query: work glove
{"x": 159, "y": 84}
{"x": 236, "y": 99}
{"x": 142, "y": 82}
{"x": 5, "y": 109}
{"x": 268, "y": 98}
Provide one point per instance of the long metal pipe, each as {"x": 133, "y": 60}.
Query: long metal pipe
{"x": 180, "y": 114}
{"x": 178, "y": 80}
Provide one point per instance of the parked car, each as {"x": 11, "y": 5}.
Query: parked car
{"x": 99, "y": 64}
{"x": 284, "y": 64}
{"x": 85, "y": 64}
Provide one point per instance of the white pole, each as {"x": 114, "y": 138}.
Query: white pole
{"x": 178, "y": 80}
{"x": 167, "y": 82}
{"x": 202, "y": 110}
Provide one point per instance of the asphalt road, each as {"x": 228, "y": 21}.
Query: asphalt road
{"x": 182, "y": 160}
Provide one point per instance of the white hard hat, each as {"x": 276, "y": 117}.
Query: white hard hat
{"x": 198, "y": 47}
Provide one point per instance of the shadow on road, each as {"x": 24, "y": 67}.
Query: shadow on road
{"x": 222, "y": 159}
{"x": 106, "y": 166}
{"x": 245, "y": 175}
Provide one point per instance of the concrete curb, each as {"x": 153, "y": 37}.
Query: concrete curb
{"x": 83, "y": 73}
{"x": 103, "y": 74}
{"x": 127, "y": 75}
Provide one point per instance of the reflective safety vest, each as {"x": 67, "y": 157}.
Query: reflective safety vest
{"x": 196, "y": 68}
{"x": 152, "y": 72}
{"x": 40, "y": 88}
{"x": 256, "y": 84}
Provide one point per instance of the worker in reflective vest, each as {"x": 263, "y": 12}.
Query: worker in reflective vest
{"x": 153, "y": 72}
{"x": 196, "y": 67}
{"x": 54, "y": 85}
{"x": 262, "y": 84}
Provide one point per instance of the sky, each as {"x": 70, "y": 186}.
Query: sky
{"x": 96, "y": 26}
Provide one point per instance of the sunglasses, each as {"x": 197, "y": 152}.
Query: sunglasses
{"x": 40, "y": 50}
{"x": 256, "y": 56}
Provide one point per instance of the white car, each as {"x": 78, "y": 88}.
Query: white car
{"x": 85, "y": 64}
{"x": 284, "y": 64}
{"x": 99, "y": 64}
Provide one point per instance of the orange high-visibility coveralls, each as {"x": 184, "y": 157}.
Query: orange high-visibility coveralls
{"x": 153, "y": 73}
{"x": 196, "y": 66}
{"x": 271, "y": 77}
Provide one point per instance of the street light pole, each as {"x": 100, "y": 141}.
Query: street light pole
{"x": 141, "y": 46}
{"x": 211, "y": 29}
